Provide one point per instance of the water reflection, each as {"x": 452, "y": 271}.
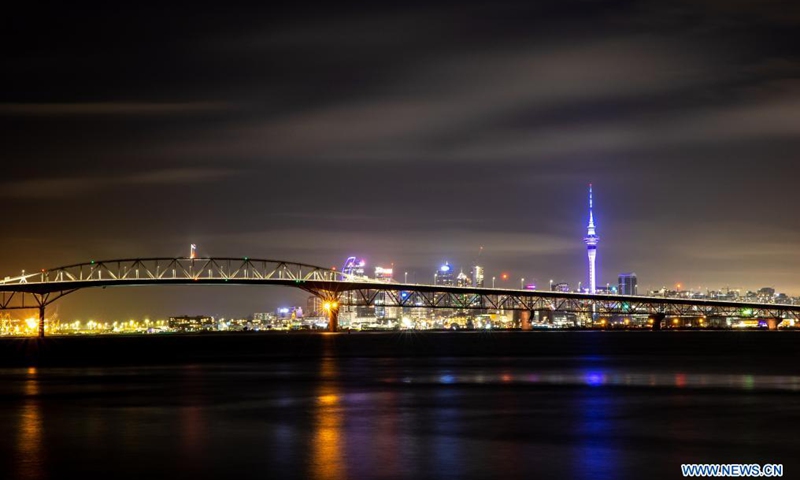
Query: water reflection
{"x": 30, "y": 429}
{"x": 611, "y": 377}
{"x": 328, "y": 442}
{"x": 596, "y": 453}
{"x": 446, "y": 444}
{"x": 337, "y": 418}
{"x": 192, "y": 419}
{"x": 385, "y": 434}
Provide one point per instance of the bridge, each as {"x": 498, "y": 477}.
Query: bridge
{"x": 40, "y": 289}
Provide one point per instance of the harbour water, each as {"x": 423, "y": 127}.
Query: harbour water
{"x": 526, "y": 405}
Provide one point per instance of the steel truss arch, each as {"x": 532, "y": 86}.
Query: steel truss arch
{"x": 37, "y": 290}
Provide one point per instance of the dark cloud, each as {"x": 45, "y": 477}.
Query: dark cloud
{"x": 105, "y": 108}
{"x": 405, "y": 132}
{"x": 49, "y": 188}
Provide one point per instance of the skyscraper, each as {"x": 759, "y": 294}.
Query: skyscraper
{"x": 628, "y": 284}
{"x": 477, "y": 276}
{"x": 384, "y": 274}
{"x": 591, "y": 241}
{"x": 462, "y": 280}
{"x": 381, "y": 310}
{"x": 314, "y": 306}
{"x": 444, "y": 276}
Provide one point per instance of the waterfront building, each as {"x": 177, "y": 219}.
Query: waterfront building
{"x": 188, "y": 323}
{"x": 289, "y": 312}
{"x": 314, "y": 306}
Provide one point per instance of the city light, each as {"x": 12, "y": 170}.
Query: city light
{"x": 328, "y": 306}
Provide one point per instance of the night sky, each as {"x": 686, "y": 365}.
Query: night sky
{"x": 407, "y": 133}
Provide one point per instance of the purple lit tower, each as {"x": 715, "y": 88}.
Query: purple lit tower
{"x": 591, "y": 246}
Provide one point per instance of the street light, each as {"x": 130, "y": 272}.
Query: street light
{"x": 551, "y": 284}
{"x": 405, "y": 274}
{"x": 493, "y": 281}
{"x": 521, "y": 283}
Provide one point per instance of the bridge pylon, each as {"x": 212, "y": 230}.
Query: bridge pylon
{"x": 331, "y": 306}
{"x": 333, "y": 319}
{"x": 42, "y": 307}
{"x": 772, "y": 323}
{"x": 525, "y": 320}
{"x": 657, "y": 318}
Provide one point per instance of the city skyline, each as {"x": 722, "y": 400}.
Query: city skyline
{"x": 388, "y": 131}
{"x": 500, "y": 277}
{"x": 444, "y": 274}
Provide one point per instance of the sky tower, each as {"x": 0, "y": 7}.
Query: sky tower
{"x": 591, "y": 246}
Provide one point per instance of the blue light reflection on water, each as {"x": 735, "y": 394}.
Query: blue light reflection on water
{"x": 596, "y": 455}
{"x": 446, "y": 443}
{"x": 594, "y": 378}
{"x": 615, "y": 377}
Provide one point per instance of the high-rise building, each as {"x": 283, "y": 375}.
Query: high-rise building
{"x": 628, "y": 284}
{"x": 767, "y": 292}
{"x": 560, "y": 287}
{"x": 477, "y": 276}
{"x": 355, "y": 267}
{"x": 462, "y": 280}
{"x": 444, "y": 275}
{"x": 381, "y": 310}
{"x": 314, "y": 306}
{"x": 384, "y": 274}
{"x": 591, "y": 241}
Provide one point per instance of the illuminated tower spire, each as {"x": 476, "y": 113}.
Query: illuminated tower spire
{"x": 591, "y": 241}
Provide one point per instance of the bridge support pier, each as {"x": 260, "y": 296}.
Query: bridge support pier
{"x": 41, "y": 319}
{"x": 525, "y": 319}
{"x": 772, "y": 323}
{"x": 657, "y": 318}
{"x": 333, "y": 317}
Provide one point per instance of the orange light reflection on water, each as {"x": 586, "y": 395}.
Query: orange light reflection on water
{"x": 29, "y": 445}
{"x": 328, "y": 440}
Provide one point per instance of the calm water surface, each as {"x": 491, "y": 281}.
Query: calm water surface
{"x": 576, "y": 417}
